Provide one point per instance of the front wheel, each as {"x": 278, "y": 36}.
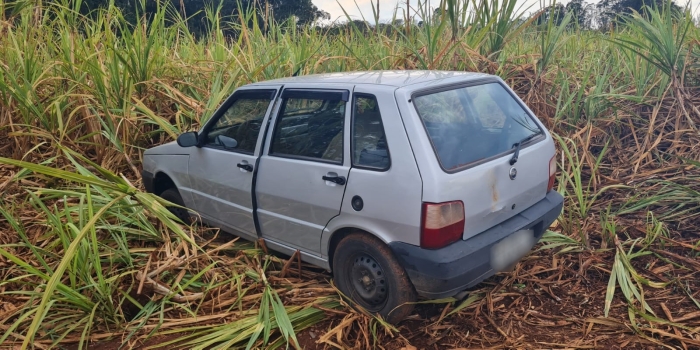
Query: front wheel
{"x": 173, "y": 196}
{"x": 366, "y": 271}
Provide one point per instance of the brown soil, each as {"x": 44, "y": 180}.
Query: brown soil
{"x": 547, "y": 302}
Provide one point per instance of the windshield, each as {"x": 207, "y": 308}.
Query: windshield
{"x": 473, "y": 123}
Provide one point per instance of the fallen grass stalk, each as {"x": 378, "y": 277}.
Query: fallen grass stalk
{"x": 84, "y": 243}
{"x": 86, "y": 256}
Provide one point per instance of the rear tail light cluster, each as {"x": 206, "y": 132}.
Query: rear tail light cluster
{"x": 552, "y": 173}
{"x": 442, "y": 224}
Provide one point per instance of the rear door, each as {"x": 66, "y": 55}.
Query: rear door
{"x": 466, "y": 138}
{"x": 221, "y": 173}
{"x": 302, "y": 174}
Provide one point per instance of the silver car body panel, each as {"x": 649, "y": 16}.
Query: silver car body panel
{"x": 398, "y": 78}
{"x": 488, "y": 193}
{"x": 298, "y": 210}
{"x": 392, "y": 198}
{"x": 222, "y": 191}
{"x": 171, "y": 159}
{"x": 294, "y": 202}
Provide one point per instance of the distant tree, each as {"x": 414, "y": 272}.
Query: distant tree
{"x": 300, "y": 11}
{"x": 610, "y": 11}
{"x": 582, "y": 13}
{"x": 554, "y": 13}
{"x": 303, "y": 10}
{"x": 603, "y": 15}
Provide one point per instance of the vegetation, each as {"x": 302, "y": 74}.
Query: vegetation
{"x": 87, "y": 256}
{"x": 603, "y": 15}
{"x": 197, "y": 12}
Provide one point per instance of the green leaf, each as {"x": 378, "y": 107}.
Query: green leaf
{"x": 470, "y": 300}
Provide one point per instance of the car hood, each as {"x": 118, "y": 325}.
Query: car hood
{"x": 170, "y": 148}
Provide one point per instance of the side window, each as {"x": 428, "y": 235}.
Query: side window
{"x": 369, "y": 141}
{"x": 241, "y": 122}
{"x": 309, "y": 127}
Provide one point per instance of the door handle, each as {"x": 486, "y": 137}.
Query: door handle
{"x": 340, "y": 180}
{"x": 245, "y": 166}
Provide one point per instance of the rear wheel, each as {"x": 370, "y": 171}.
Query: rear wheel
{"x": 366, "y": 271}
{"x": 173, "y": 196}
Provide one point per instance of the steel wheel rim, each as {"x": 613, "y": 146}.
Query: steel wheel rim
{"x": 368, "y": 282}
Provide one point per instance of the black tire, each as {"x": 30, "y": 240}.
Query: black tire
{"x": 173, "y": 196}
{"x": 365, "y": 270}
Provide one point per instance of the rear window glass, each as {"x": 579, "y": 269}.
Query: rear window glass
{"x": 473, "y": 123}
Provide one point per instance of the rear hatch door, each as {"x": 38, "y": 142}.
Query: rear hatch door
{"x": 466, "y": 139}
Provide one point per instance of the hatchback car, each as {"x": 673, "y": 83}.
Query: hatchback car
{"x": 402, "y": 183}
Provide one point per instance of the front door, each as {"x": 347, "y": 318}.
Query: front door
{"x": 301, "y": 178}
{"x": 221, "y": 169}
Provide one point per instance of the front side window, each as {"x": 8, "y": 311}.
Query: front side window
{"x": 369, "y": 141}
{"x": 473, "y": 123}
{"x": 241, "y": 122}
{"x": 310, "y": 128}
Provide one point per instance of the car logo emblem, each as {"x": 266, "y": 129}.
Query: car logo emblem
{"x": 513, "y": 173}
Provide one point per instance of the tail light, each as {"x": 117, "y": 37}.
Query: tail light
{"x": 442, "y": 224}
{"x": 552, "y": 173}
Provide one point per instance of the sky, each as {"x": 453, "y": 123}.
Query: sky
{"x": 386, "y": 7}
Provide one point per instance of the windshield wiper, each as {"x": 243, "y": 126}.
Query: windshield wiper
{"x": 517, "y": 145}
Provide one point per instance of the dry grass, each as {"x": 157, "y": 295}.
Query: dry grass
{"x": 109, "y": 266}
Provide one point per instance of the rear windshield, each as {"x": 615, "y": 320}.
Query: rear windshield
{"x": 473, "y": 123}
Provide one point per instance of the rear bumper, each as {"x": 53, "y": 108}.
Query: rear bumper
{"x": 147, "y": 179}
{"x": 445, "y": 272}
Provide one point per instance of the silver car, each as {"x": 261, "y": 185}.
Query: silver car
{"x": 402, "y": 183}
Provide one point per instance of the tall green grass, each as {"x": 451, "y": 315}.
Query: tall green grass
{"x": 623, "y": 102}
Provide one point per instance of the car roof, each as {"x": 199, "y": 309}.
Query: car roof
{"x": 398, "y": 78}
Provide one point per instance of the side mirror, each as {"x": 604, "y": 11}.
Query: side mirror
{"x": 188, "y": 139}
{"x": 227, "y": 142}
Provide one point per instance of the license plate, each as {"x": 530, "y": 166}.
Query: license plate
{"x": 508, "y": 251}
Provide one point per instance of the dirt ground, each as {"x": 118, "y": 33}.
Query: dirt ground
{"x": 548, "y": 301}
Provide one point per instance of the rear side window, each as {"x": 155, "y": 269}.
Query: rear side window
{"x": 474, "y": 123}
{"x": 368, "y": 139}
{"x": 310, "y": 128}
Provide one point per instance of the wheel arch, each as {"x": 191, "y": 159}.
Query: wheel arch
{"x": 397, "y": 301}
{"x": 339, "y": 233}
{"x": 162, "y": 182}
{"x": 335, "y": 238}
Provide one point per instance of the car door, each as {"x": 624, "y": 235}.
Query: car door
{"x": 221, "y": 167}
{"x": 302, "y": 174}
